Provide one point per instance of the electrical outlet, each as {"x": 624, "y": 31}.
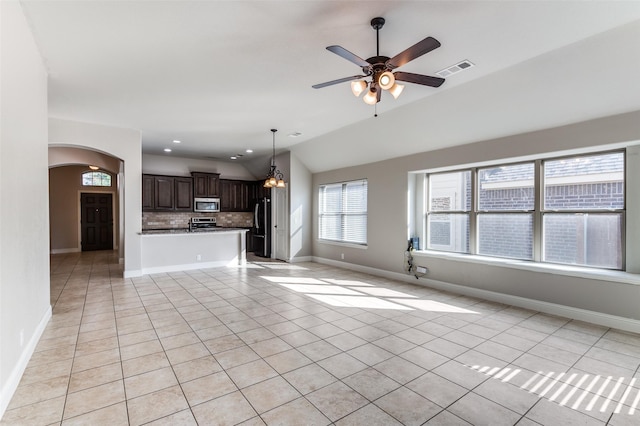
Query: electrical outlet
{"x": 198, "y": 257}
{"x": 342, "y": 256}
{"x": 421, "y": 270}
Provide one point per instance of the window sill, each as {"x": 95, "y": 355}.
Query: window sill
{"x": 566, "y": 270}
{"x": 338, "y": 243}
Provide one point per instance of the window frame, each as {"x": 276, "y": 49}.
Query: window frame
{"x": 454, "y": 212}
{"x": 478, "y": 212}
{"x": 602, "y": 211}
{"x": 94, "y": 173}
{"x": 343, "y": 213}
{"x": 538, "y": 211}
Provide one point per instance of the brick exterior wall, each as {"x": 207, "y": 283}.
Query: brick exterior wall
{"x": 572, "y": 239}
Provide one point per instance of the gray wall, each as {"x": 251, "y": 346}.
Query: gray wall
{"x": 389, "y": 205}
{"x": 24, "y": 209}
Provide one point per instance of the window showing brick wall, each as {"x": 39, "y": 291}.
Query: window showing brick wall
{"x": 581, "y": 209}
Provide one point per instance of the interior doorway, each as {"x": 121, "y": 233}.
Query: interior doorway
{"x": 96, "y": 221}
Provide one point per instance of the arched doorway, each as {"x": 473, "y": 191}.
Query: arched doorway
{"x": 85, "y": 214}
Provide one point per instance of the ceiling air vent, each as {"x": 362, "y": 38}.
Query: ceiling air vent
{"x": 455, "y": 69}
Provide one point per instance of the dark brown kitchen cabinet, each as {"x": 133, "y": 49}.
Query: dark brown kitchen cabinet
{"x": 164, "y": 191}
{"x": 184, "y": 193}
{"x": 148, "y": 192}
{"x": 258, "y": 191}
{"x": 206, "y": 185}
{"x": 167, "y": 193}
{"x": 225, "y": 195}
{"x": 235, "y": 195}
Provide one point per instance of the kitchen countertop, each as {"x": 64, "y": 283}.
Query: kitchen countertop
{"x": 175, "y": 231}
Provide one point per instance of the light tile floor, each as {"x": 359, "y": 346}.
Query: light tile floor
{"x": 309, "y": 344}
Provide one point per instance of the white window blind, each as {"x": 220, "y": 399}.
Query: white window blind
{"x": 343, "y": 212}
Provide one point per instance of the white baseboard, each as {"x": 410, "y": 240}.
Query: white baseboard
{"x": 13, "y": 381}
{"x": 301, "y": 259}
{"x": 594, "y": 317}
{"x": 132, "y": 273}
{"x": 65, "y": 250}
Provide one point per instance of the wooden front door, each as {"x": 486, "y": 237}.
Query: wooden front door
{"x": 96, "y": 221}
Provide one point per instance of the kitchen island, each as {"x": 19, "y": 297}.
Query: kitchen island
{"x": 173, "y": 250}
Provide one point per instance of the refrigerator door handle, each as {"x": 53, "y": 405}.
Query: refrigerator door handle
{"x": 255, "y": 216}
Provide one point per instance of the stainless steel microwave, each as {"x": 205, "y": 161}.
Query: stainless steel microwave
{"x": 206, "y": 205}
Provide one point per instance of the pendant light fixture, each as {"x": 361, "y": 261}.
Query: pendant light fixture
{"x": 274, "y": 179}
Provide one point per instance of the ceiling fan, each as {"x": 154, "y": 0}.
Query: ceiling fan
{"x": 380, "y": 68}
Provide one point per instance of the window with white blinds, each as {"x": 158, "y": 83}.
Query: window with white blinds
{"x": 343, "y": 212}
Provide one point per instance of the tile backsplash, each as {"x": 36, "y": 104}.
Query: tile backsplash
{"x": 177, "y": 220}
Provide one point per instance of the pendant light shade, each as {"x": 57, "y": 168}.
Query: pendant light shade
{"x": 370, "y": 98}
{"x": 357, "y": 87}
{"x": 274, "y": 179}
{"x": 396, "y": 89}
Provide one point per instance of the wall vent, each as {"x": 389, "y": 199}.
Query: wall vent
{"x": 454, "y": 69}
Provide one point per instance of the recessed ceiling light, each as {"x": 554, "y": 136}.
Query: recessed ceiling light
{"x": 176, "y": 141}
{"x": 167, "y": 150}
{"x": 249, "y": 151}
{"x": 233, "y": 157}
{"x": 295, "y": 134}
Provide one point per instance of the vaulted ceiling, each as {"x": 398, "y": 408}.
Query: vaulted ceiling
{"x": 217, "y": 75}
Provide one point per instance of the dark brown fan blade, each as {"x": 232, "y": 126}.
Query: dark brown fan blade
{"x": 341, "y": 51}
{"x": 415, "y": 51}
{"x": 425, "y": 80}
{"x": 340, "y": 80}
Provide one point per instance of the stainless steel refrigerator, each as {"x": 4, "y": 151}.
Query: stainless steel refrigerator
{"x": 262, "y": 227}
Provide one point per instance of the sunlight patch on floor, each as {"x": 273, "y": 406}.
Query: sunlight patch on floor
{"x": 352, "y": 293}
{"x": 293, "y": 280}
{"x": 599, "y": 394}
{"x": 320, "y": 289}
{"x": 433, "y": 306}
{"x": 358, "y": 302}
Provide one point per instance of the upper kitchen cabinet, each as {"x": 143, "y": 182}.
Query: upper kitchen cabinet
{"x": 184, "y": 193}
{"x": 258, "y": 191}
{"x": 148, "y": 193}
{"x": 167, "y": 193}
{"x": 235, "y": 195}
{"x": 206, "y": 185}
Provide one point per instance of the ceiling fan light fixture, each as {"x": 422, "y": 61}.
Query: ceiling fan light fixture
{"x": 357, "y": 87}
{"x": 386, "y": 80}
{"x": 396, "y": 89}
{"x": 370, "y": 98}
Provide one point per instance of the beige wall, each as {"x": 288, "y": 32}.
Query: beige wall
{"x": 65, "y": 187}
